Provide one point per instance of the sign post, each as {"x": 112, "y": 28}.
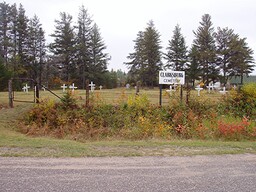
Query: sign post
{"x": 170, "y": 77}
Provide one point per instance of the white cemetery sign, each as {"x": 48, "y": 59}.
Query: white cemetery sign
{"x": 172, "y": 77}
{"x": 64, "y": 87}
{"x": 92, "y": 86}
{"x": 25, "y": 88}
{"x": 72, "y": 87}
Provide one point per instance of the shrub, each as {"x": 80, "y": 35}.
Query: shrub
{"x": 235, "y": 130}
{"x": 68, "y": 101}
{"x": 134, "y": 119}
{"x": 241, "y": 102}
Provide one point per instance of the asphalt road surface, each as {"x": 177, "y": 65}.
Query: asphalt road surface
{"x": 196, "y": 173}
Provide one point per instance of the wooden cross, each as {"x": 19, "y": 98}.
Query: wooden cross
{"x": 210, "y": 87}
{"x": 92, "y": 86}
{"x": 72, "y": 87}
{"x": 25, "y": 88}
{"x": 223, "y": 91}
{"x": 198, "y": 88}
{"x": 63, "y": 87}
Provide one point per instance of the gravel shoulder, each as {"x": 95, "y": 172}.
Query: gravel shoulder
{"x": 188, "y": 173}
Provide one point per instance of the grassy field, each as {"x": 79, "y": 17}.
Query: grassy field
{"x": 13, "y": 143}
{"x": 110, "y": 95}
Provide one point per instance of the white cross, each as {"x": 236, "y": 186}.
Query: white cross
{"x": 223, "y": 91}
{"x": 210, "y": 87}
{"x": 25, "y": 88}
{"x": 198, "y": 88}
{"x": 100, "y": 87}
{"x": 72, "y": 87}
{"x": 92, "y": 86}
{"x": 172, "y": 88}
{"x": 63, "y": 87}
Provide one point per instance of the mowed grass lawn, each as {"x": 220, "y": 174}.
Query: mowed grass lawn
{"x": 13, "y": 143}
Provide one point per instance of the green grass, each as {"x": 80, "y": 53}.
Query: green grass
{"x": 13, "y": 143}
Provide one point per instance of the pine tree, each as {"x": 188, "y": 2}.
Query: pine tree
{"x": 205, "y": 45}
{"x": 15, "y": 64}
{"x": 36, "y": 49}
{"x": 242, "y": 62}
{"x": 224, "y": 38}
{"x": 83, "y": 45}
{"x": 22, "y": 35}
{"x": 63, "y": 45}
{"x": 176, "y": 51}
{"x": 193, "y": 70}
{"x": 137, "y": 58}
{"x": 152, "y": 55}
{"x": 98, "y": 59}
{"x": 146, "y": 59}
{"x": 5, "y": 29}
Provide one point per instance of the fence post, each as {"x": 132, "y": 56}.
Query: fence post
{"x": 137, "y": 88}
{"x": 10, "y": 93}
{"x": 37, "y": 92}
{"x": 87, "y": 93}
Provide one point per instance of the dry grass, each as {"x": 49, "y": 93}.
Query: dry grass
{"x": 112, "y": 96}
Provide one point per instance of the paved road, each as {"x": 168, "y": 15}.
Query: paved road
{"x": 196, "y": 173}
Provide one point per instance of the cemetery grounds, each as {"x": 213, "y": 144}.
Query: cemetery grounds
{"x": 15, "y": 143}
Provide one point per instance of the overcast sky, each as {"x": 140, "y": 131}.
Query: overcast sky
{"x": 120, "y": 20}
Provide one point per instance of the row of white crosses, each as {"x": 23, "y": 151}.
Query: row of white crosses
{"x": 26, "y": 87}
{"x": 64, "y": 87}
{"x": 92, "y": 85}
{"x": 210, "y": 87}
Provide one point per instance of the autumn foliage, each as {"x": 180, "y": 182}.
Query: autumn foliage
{"x": 134, "y": 117}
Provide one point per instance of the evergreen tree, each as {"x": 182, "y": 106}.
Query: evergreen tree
{"x": 146, "y": 60}
{"x": 235, "y": 58}
{"x": 98, "y": 59}
{"x": 5, "y": 26}
{"x": 5, "y": 75}
{"x": 22, "y": 35}
{"x": 205, "y": 45}
{"x": 137, "y": 58}
{"x": 36, "y": 49}
{"x": 242, "y": 62}
{"x": 225, "y": 38}
{"x": 152, "y": 55}
{"x": 63, "y": 46}
{"x": 176, "y": 51}
{"x": 15, "y": 65}
{"x": 83, "y": 45}
{"x": 193, "y": 70}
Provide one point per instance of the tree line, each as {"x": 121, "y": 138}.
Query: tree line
{"x": 213, "y": 56}
{"x": 77, "y": 52}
